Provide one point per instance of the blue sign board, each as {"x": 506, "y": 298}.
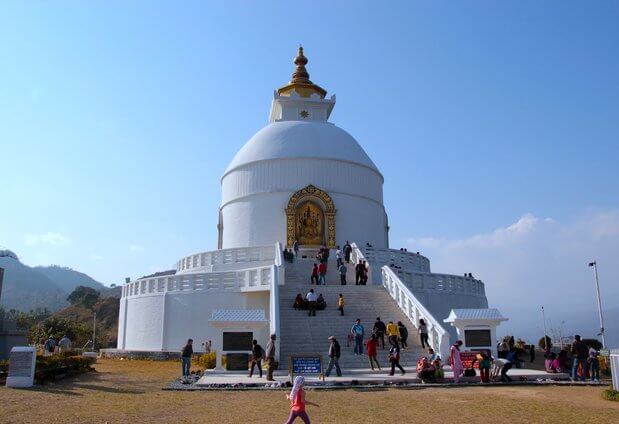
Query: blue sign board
{"x": 310, "y": 364}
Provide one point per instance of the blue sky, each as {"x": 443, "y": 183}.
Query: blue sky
{"x": 117, "y": 120}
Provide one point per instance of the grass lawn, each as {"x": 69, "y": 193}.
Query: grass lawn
{"x": 130, "y": 391}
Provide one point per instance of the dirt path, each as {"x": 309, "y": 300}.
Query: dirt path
{"x": 130, "y": 391}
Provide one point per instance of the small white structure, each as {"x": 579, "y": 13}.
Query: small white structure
{"x": 476, "y": 327}
{"x": 22, "y": 362}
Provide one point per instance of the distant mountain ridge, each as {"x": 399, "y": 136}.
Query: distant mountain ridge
{"x": 27, "y": 288}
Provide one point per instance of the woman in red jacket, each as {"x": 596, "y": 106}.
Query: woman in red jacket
{"x": 371, "y": 344}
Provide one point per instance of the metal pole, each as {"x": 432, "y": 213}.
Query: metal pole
{"x": 94, "y": 331}
{"x": 597, "y": 293}
{"x": 545, "y": 331}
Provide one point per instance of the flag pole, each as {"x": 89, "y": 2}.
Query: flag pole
{"x": 597, "y": 293}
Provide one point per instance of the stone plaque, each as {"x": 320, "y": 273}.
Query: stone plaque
{"x": 238, "y": 340}
{"x": 477, "y": 338}
{"x": 237, "y": 361}
{"x": 22, "y": 362}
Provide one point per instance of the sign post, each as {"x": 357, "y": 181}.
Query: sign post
{"x": 21, "y": 367}
{"x": 305, "y": 364}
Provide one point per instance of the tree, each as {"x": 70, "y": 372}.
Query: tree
{"x": 84, "y": 296}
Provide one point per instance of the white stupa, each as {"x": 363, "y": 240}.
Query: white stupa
{"x": 298, "y": 178}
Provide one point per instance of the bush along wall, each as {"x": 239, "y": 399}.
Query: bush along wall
{"x": 611, "y": 394}
{"x": 49, "y": 368}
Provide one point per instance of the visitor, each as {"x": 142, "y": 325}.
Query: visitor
{"x": 484, "y": 367}
{"x": 364, "y": 277}
{"x": 186, "y": 353}
{"x": 392, "y": 330}
{"x": 594, "y": 364}
{"x": 314, "y": 277}
{"x": 270, "y": 357}
{"x": 207, "y": 346}
{"x": 425, "y": 370}
{"x": 550, "y": 362}
{"x": 338, "y": 256}
{"x": 580, "y": 354}
{"x": 403, "y": 334}
{"x": 299, "y": 303}
{"x": 321, "y": 305}
{"x": 295, "y": 247}
{"x": 334, "y": 357}
{"x": 503, "y": 349}
{"x": 298, "y": 401}
{"x": 322, "y": 273}
{"x": 342, "y": 270}
{"x": 455, "y": 361}
{"x": 340, "y": 304}
{"x": 326, "y": 253}
{"x": 380, "y": 329}
{"x": 65, "y": 345}
{"x": 394, "y": 355}
{"x": 347, "y": 252}
{"x": 358, "y": 331}
{"x": 532, "y": 353}
{"x": 359, "y": 270}
{"x": 510, "y": 360}
{"x": 432, "y": 356}
{"x": 311, "y": 302}
{"x": 257, "y": 354}
{"x": 497, "y": 367}
{"x": 371, "y": 344}
{"x": 422, "y": 330}
{"x": 562, "y": 361}
{"x": 50, "y": 346}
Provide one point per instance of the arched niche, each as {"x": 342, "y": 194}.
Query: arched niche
{"x": 310, "y": 218}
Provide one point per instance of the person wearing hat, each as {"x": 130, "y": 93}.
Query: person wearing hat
{"x": 334, "y": 357}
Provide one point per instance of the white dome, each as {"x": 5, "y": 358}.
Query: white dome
{"x": 301, "y": 139}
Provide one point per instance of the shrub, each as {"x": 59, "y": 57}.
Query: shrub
{"x": 48, "y": 367}
{"x": 207, "y": 360}
{"x": 544, "y": 343}
{"x": 594, "y": 343}
{"x": 611, "y": 394}
{"x": 4, "y": 366}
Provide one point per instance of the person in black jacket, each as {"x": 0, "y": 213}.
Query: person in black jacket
{"x": 334, "y": 357}
{"x": 380, "y": 329}
{"x": 186, "y": 353}
{"x": 403, "y": 334}
{"x": 256, "y": 358}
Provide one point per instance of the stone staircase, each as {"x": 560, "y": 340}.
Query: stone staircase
{"x": 301, "y": 334}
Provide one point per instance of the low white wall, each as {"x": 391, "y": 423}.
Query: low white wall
{"x": 164, "y": 321}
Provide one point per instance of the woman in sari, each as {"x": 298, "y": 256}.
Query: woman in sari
{"x": 455, "y": 361}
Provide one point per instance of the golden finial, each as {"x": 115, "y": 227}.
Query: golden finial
{"x": 300, "y": 82}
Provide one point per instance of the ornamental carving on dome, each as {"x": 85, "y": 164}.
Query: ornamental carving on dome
{"x": 308, "y": 225}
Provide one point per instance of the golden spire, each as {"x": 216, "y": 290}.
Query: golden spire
{"x": 300, "y": 82}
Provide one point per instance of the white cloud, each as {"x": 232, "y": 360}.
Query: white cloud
{"x": 95, "y": 257}
{"x": 136, "y": 248}
{"x": 49, "y": 238}
{"x": 536, "y": 261}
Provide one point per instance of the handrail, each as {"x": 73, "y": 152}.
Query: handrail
{"x": 442, "y": 283}
{"x": 414, "y": 310}
{"x": 248, "y": 279}
{"x": 225, "y": 257}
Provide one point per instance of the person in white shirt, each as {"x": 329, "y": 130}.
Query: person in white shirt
{"x": 338, "y": 256}
{"x": 311, "y": 298}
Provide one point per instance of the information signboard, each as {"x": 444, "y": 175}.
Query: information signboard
{"x": 305, "y": 364}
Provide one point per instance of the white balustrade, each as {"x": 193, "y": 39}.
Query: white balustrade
{"x": 406, "y": 260}
{"x": 212, "y": 258}
{"x": 414, "y": 310}
{"x": 441, "y": 283}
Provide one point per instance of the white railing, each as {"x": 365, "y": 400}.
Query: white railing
{"x": 406, "y": 260}
{"x": 441, "y": 283}
{"x": 414, "y": 310}
{"x": 274, "y": 325}
{"x": 205, "y": 261}
{"x": 258, "y": 278}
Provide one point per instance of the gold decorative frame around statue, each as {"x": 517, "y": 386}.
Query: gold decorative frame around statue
{"x": 309, "y": 211}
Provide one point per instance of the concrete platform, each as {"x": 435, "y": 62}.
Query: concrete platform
{"x": 357, "y": 377}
